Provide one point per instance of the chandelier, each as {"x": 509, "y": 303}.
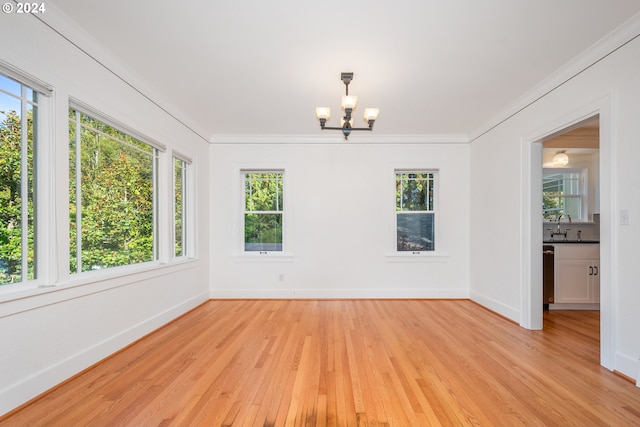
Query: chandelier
{"x": 348, "y": 105}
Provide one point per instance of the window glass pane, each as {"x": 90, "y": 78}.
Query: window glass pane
{"x": 562, "y": 194}
{"x": 414, "y": 191}
{"x": 17, "y": 185}
{"x": 263, "y": 192}
{"x": 32, "y": 117}
{"x": 10, "y": 85}
{"x": 561, "y": 183}
{"x": 262, "y": 232}
{"x": 571, "y": 206}
{"x": 116, "y": 218}
{"x": 551, "y": 207}
{"x": 74, "y": 214}
{"x": 415, "y": 232}
{"x": 32, "y": 95}
{"x": 263, "y": 214}
{"x": 9, "y": 104}
{"x": 179, "y": 173}
{"x": 415, "y": 211}
{"x": 99, "y": 127}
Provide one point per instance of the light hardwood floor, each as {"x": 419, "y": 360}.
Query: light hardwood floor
{"x": 348, "y": 363}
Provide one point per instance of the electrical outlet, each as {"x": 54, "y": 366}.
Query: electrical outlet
{"x": 281, "y": 277}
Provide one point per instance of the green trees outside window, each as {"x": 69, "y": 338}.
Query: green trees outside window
{"x": 179, "y": 207}
{"x": 18, "y": 118}
{"x": 415, "y": 211}
{"x": 263, "y": 211}
{"x": 111, "y": 196}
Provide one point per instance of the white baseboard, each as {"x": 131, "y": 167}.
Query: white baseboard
{"x": 574, "y": 306}
{"x": 629, "y": 366}
{"x": 498, "y": 307}
{"x": 39, "y": 382}
{"x": 339, "y": 293}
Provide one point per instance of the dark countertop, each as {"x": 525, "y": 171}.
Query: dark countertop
{"x": 555, "y": 242}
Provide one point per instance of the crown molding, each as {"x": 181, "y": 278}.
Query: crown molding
{"x": 604, "y": 47}
{"x": 338, "y": 139}
{"x": 93, "y": 49}
{"x": 82, "y": 40}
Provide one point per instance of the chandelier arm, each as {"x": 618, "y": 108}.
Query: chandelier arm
{"x": 340, "y": 128}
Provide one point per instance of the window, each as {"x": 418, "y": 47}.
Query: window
{"x": 415, "y": 210}
{"x": 563, "y": 193}
{"x": 112, "y": 200}
{"x": 18, "y": 144}
{"x": 263, "y": 211}
{"x": 180, "y": 206}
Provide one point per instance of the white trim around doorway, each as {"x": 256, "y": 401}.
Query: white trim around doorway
{"x": 531, "y": 226}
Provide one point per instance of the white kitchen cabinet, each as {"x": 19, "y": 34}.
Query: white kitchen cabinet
{"x": 577, "y": 274}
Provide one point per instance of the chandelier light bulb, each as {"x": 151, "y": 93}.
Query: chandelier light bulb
{"x": 349, "y": 101}
{"x": 323, "y": 113}
{"x": 371, "y": 114}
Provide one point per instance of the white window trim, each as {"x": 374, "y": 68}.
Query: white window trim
{"x": 238, "y": 253}
{"x": 440, "y": 253}
{"x": 44, "y": 184}
{"x": 244, "y": 173}
{"x": 26, "y": 79}
{"x": 188, "y": 250}
{"x": 584, "y": 190}
{"x": 114, "y": 123}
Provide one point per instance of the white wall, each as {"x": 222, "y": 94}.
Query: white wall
{"x": 340, "y": 229}
{"x": 49, "y": 334}
{"x": 340, "y": 201}
{"x": 499, "y": 276}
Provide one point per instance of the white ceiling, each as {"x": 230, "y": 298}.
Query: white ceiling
{"x": 260, "y": 67}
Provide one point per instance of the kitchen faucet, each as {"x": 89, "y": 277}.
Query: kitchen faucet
{"x": 558, "y": 231}
{"x": 558, "y": 221}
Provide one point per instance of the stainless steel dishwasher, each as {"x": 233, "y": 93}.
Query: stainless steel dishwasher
{"x": 548, "y": 280}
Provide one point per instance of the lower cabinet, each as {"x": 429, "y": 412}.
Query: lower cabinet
{"x": 577, "y": 274}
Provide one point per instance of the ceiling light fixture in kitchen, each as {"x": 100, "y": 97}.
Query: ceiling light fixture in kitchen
{"x": 561, "y": 159}
{"x": 348, "y": 105}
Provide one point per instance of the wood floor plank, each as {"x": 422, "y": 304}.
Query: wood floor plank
{"x": 348, "y": 363}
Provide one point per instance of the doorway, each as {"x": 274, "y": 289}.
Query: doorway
{"x": 571, "y": 224}
{"x": 532, "y": 160}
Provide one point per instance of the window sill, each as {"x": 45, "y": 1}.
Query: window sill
{"x": 122, "y": 272}
{"x": 37, "y": 294}
{"x": 263, "y": 257}
{"x": 421, "y": 256}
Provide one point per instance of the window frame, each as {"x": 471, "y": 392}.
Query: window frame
{"x": 243, "y": 212}
{"x": 186, "y": 225}
{"x": 440, "y": 253}
{"x": 582, "y": 196}
{"x": 433, "y": 211}
{"x": 42, "y": 179}
{"x": 157, "y": 151}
